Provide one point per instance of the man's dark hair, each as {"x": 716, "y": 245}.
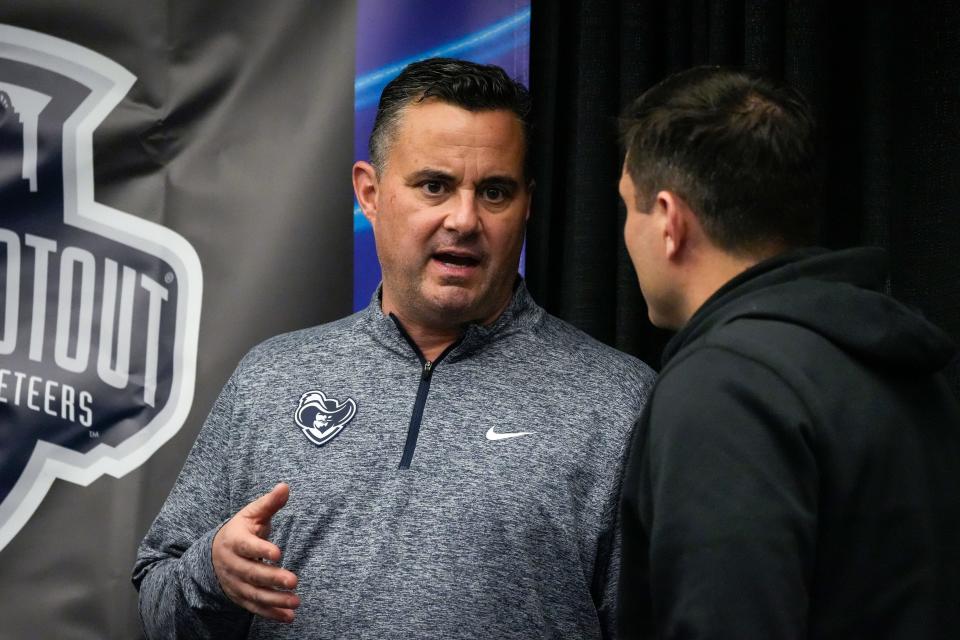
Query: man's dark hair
{"x": 738, "y": 148}
{"x": 471, "y": 86}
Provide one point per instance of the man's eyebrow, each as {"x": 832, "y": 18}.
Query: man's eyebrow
{"x": 424, "y": 175}
{"x": 507, "y": 182}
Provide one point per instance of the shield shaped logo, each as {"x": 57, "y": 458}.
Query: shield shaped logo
{"x": 99, "y": 309}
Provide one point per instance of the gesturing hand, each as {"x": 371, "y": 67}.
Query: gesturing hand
{"x": 238, "y": 550}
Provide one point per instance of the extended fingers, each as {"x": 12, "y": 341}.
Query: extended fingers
{"x": 269, "y": 603}
{"x": 239, "y": 559}
{"x": 238, "y": 554}
{"x": 263, "y": 508}
{"x": 250, "y": 547}
{"x": 261, "y": 589}
{"x": 259, "y": 574}
{"x": 265, "y": 597}
{"x": 272, "y": 613}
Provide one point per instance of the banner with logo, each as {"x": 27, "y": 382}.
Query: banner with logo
{"x": 174, "y": 188}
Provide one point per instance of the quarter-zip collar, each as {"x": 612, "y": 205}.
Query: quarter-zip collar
{"x": 520, "y": 314}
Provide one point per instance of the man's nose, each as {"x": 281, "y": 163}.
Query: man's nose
{"x": 464, "y": 217}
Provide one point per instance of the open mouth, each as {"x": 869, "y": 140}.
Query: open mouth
{"x": 456, "y": 259}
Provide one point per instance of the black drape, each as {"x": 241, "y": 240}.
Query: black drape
{"x": 884, "y": 82}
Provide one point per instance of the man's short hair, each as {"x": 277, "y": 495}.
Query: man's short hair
{"x": 471, "y": 86}
{"x": 738, "y": 148}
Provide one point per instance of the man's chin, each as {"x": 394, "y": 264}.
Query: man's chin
{"x": 450, "y": 307}
{"x": 457, "y": 305}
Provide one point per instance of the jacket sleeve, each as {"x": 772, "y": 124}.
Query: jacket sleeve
{"x": 180, "y": 596}
{"x": 720, "y": 504}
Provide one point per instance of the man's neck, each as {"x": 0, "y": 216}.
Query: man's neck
{"x": 714, "y": 270}
{"x": 430, "y": 340}
{"x": 434, "y": 331}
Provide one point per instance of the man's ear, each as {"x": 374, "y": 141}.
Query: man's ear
{"x": 366, "y": 187}
{"x": 673, "y": 215}
{"x": 530, "y": 187}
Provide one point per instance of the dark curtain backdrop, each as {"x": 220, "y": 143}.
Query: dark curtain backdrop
{"x": 883, "y": 79}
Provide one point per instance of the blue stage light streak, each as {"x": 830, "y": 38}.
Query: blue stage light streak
{"x": 360, "y": 222}
{"x": 367, "y": 88}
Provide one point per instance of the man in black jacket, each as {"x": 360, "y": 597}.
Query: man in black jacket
{"x": 796, "y": 473}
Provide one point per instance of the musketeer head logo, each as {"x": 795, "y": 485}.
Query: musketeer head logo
{"x": 99, "y": 309}
{"x": 321, "y": 418}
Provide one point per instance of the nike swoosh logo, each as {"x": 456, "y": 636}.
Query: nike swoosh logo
{"x": 493, "y": 435}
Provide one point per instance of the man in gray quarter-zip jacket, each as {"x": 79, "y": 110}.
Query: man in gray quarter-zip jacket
{"x": 448, "y": 459}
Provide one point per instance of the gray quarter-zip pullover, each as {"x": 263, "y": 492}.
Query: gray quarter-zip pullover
{"x": 471, "y": 497}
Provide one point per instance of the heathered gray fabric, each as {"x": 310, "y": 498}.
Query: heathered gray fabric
{"x": 510, "y": 538}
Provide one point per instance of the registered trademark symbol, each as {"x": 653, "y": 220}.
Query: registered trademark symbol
{"x": 168, "y": 277}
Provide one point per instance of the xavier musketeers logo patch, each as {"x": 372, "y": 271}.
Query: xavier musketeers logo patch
{"x": 321, "y": 418}
{"x": 99, "y": 309}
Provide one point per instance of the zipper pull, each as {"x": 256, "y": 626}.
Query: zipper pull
{"x": 427, "y": 367}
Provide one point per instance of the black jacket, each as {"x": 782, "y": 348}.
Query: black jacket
{"x": 796, "y": 473}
